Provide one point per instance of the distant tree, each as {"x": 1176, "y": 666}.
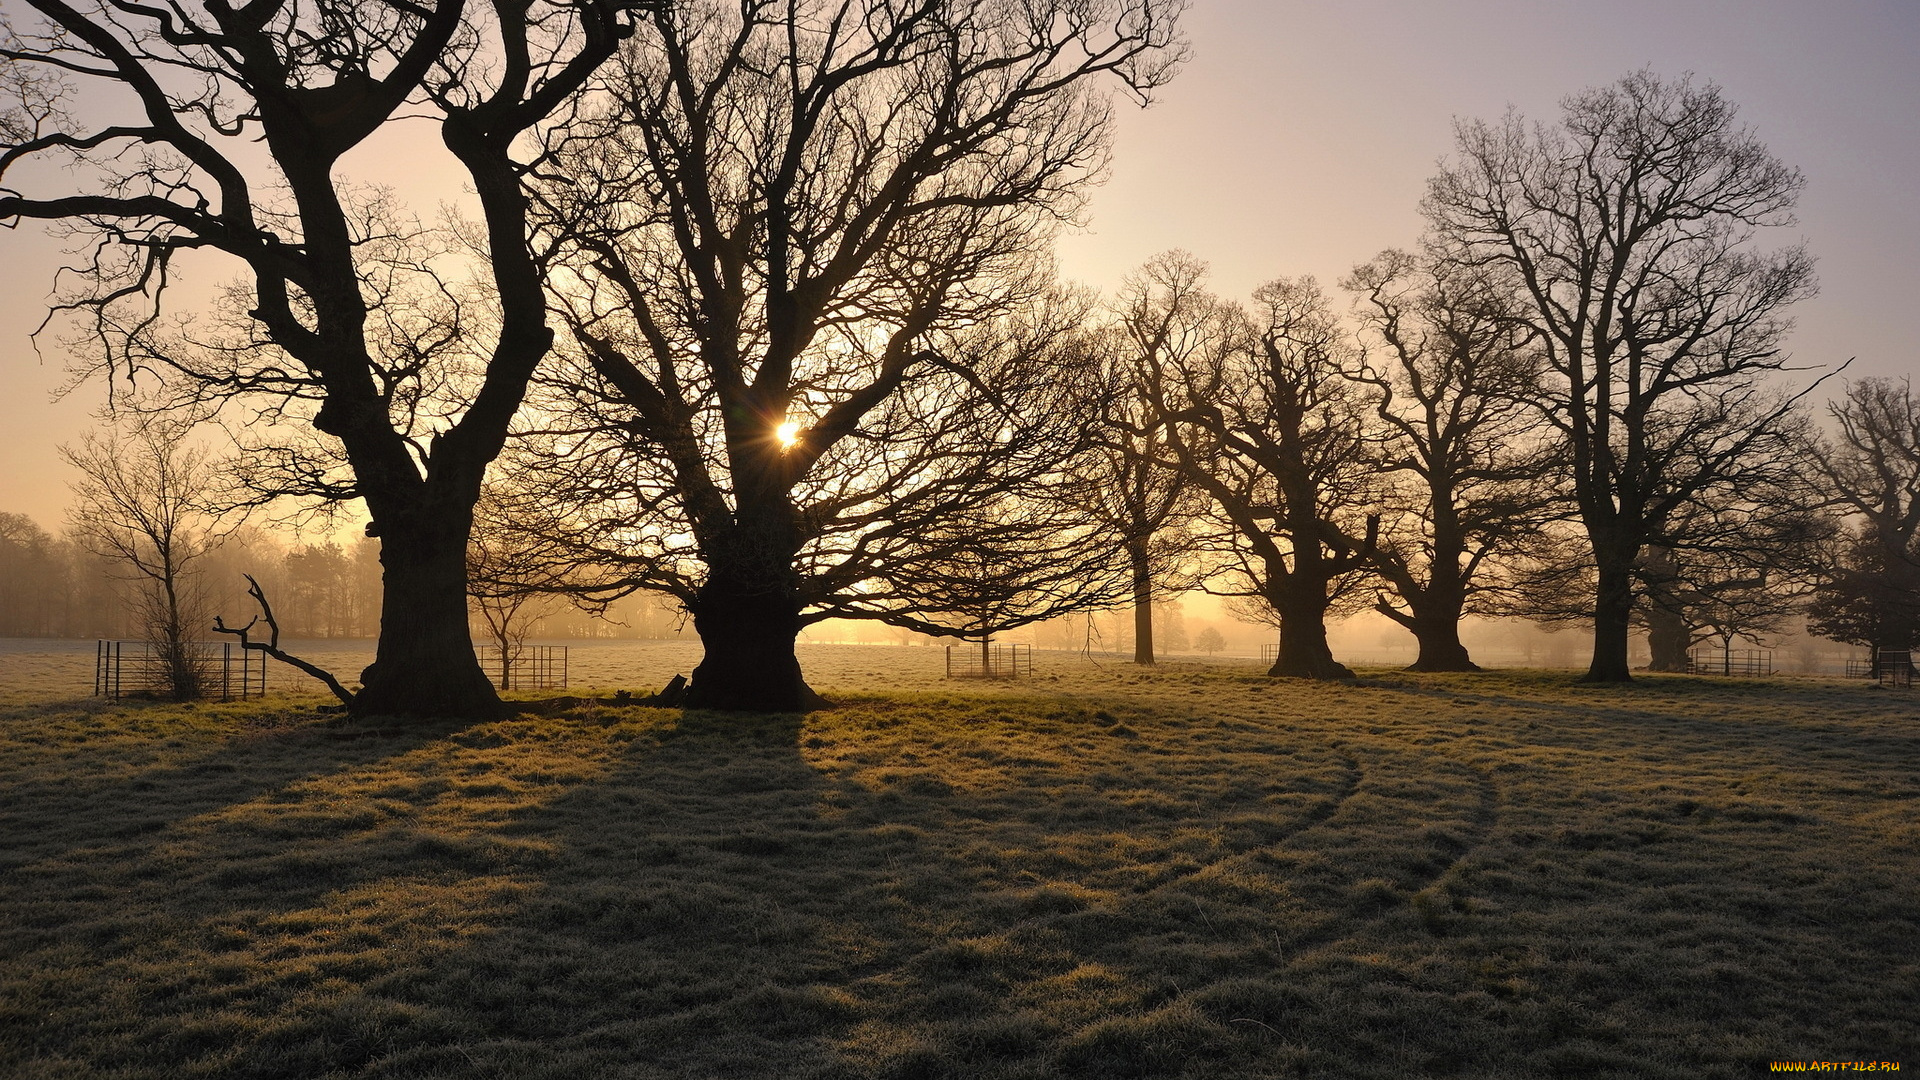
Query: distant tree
{"x": 1470, "y": 482}
{"x": 33, "y": 574}
{"x": 1165, "y": 317}
{"x": 511, "y": 590}
{"x": 1275, "y": 433}
{"x": 1209, "y": 641}
{"x": 140, "y": 501}
{"x": 1739, "y": 566}
{"x": 159, "y": 132}
{"x": 1625, "y": 236}
{"x": 1869, "y": 590}
{"x": 1171, "y": 619}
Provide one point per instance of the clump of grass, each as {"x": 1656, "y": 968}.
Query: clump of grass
{"x": 1489, "y": 875}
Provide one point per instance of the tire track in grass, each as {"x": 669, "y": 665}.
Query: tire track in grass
{"x": 1318, "y": 814}
{"x": 1399, "y": 846}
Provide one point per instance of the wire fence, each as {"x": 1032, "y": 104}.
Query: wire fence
{"x": 216, "y": 670}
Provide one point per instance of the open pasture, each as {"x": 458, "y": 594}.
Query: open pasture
{"x": 1103, "y": 872}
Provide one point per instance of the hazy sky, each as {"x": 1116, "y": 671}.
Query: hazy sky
{"x": 1299, "y": 138}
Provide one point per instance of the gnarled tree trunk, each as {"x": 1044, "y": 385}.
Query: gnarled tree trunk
{"x": 1304, "y": 653}
{"x": 1667, "y": 640}
{"x": 425, "y": 664}
{"x": 1440, "y": 647}
{"x": 747, "y": 614}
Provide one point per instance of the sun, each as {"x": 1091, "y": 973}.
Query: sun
{"x": 788, "y": 434}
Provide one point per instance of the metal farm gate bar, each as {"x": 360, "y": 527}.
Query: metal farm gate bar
{"x": 222, "y": 670}
{"x": 1896, "y": 668}
{"x": 997, "y": 662}
{"x": 1744, "y": 662}
{"x": 530, "y": 667}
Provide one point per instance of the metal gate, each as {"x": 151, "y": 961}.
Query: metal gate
{"x": 1745, "y": 662}
{"x": 529, "y": 667}
{"x": 997, "y": 662}
{"x": 218, "y": 670}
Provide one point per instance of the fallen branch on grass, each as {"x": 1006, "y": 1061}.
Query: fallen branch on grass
{"x": 272, "y": 645}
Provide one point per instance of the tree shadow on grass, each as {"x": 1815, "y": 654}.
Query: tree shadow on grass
{"x": 98, "y": 780}
{"x": 965, "y": 887}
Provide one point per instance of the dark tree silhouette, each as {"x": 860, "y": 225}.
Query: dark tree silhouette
{"x": 770, "y": 219}
{"x": 956, "y": 508}
{"x": 229, "y": 127}
{"x": 1274, "y": 432}
{"x": 1869, "y": 592}
{"x": 1166, "y": 317}
{"x": 1625, "y": 235}
{"x": 1470, "y": 480}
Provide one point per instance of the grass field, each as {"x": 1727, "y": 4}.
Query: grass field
{"x": 1191, "y": 872}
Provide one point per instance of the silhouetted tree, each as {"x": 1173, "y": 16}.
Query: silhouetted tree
{"x": 977, "y": 459}
{"x": 1165, "y": 317}
{"x": 140, "y": 502}
{"x": 1869, "y": 592}
{"x": 1274, "y": 432}
{"x": 1736, "y": 565}
{"x": 224, "y": 129}
{"x": 511, "y": 590}
{"x": 1470, "y": 480}
{"x": 770, "y": 220}
{"x": 1625, "y": 236}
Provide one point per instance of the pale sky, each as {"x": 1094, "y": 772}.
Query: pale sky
{"x": 1299, "y": 138}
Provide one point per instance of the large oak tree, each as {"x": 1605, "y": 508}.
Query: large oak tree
{"x": 1469, "y": 482}
{"x": 1627, "y": 236}
{"x": 1275, "y": 432}
{"x": 784, "y": 221}
{"x": 223, "y": 127}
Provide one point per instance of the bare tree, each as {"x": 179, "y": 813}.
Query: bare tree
{"x": 1275, "y": 433}
{"x": 140, "y": 501}
{"x": 772, "y": 217}
{"x": 957, "y": 508}
{"x": 226, "y": 128}
{"x": 1870, "y": 589}
{"x": 1737, "y": 563}
{"x": 1451, "y": 396}
{"x": 1626, "y": 235}
{"x": 511, "y": 588}
{"x": 1166, "y": 317}
{"x": 1209, "y": 641}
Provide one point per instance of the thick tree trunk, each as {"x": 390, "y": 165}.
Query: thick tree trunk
{"x": 425, "y": 664}
{"x": 1142, "y": 603}
{"x": 748, "y": 635}
{"x": 1440, "y": 647}
{"x": 1612, "y": 616}
{"x": 1304, "y": 653}
{"x": 1667, "y": 639}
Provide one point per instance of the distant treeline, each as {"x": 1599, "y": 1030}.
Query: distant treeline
{"x": 51, "y": 586}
